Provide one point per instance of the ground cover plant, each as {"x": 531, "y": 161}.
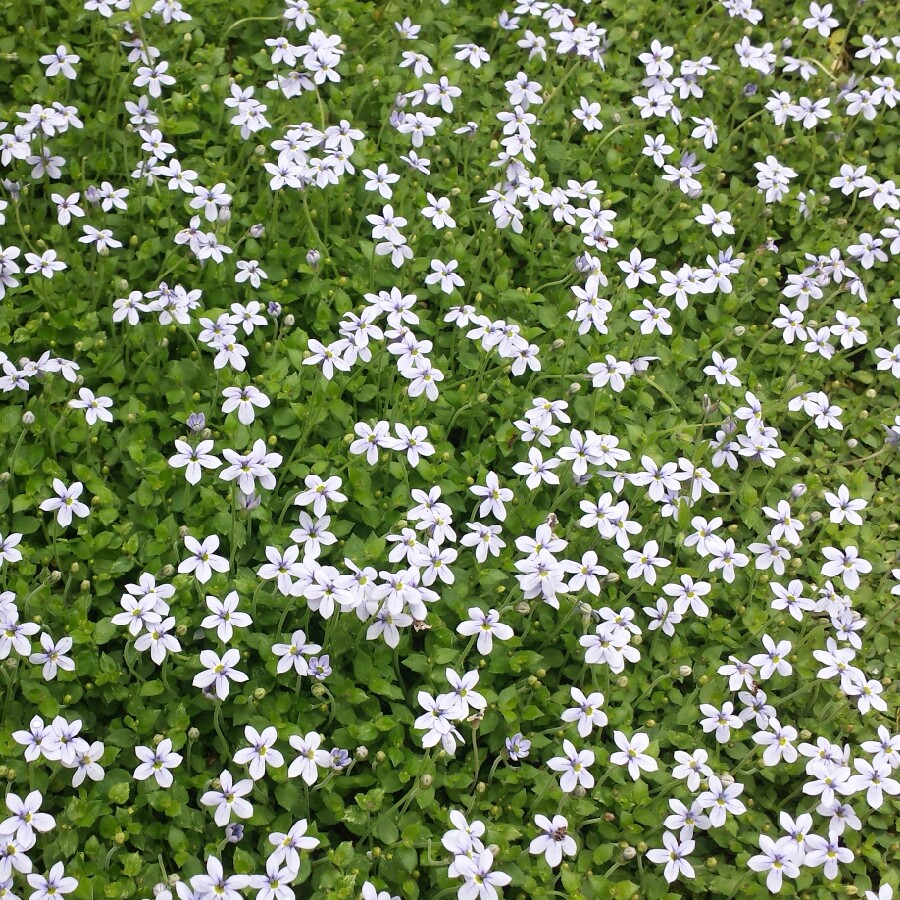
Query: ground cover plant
{"x": 448, "y": 450}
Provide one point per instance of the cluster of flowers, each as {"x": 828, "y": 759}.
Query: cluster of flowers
{"x": 392, "y": 600}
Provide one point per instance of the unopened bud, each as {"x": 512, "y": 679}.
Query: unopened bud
{"x": 629, "y": 853}
{"x": 28, "y": 417}
{"x": 797, "y": 491}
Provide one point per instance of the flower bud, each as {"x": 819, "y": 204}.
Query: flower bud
{"x": 361, "y": 753}
{"x": 313, "y": 258}
{"x": 248, "y": 501}
{"x": 193, "y": 734}
{"x": 28, "y": 417}
{"x": 684, "y": 671}
{"x": 425, "y": 781}
{"x": 629, "y": 853}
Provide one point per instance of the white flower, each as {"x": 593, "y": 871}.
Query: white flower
{"x": 195, "y": 459}
{"x": 53, "y": 657}
{"x": 66, "y": 502}
{"x": 309, "y": 757}
{"x": 631, "y": 754}
{"x": 26, "y": 817}
{"x": 228, "y": 799}
{"x": 203, "y": 560}
{"x": 94, "y": 407}
{"x": 587, "y": 713}
{"x": 369, "y": 440}
{"x": 493, "y": 497}
{"x": 692, "y": 766}
{"x": 288, "y": 844}
{"x": 721, "y": 800}
{"x": 720, "y": 720}
{"x": 554, "y": 841}
{"x": 778, "y": 743}
{"x": 157, "y": 763}
{"x": 261, "y": 752}
{"x": 574, "y": 766}
{"x": 773, "y": 660}
{"x": 444, "y": 273}
{"x": 219, "y": 671}
{"x": 243, "y": 400}
{"x": 673, "y": 854}
{"x": 843, "y": 507}
{"x": 778, "y": 858}
{"x": 847, "y": 563}
{"x": 487, "y": 626}
{"x": 225, "y": 617}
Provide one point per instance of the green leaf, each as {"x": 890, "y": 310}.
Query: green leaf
{"x": 104, "y": 631}
{"x": 386, "y": 831}
{"x": 119, "y": 793}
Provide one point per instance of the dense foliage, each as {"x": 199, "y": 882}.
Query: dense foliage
{"x": 448, "y": 449}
